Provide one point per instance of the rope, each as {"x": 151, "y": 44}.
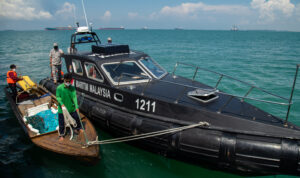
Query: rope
{"x": 146, "y": 135}
{"x": 82, "y": 126}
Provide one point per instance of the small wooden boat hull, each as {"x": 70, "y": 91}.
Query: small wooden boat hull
{"x": 49, "y": 141}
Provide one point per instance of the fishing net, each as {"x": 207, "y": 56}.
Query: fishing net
{"x": 44, "y": 121}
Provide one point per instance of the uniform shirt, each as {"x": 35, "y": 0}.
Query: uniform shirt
{"x": 66, "y": 96}
{"x": 56, "y": 56}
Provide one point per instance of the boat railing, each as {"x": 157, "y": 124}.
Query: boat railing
{"x": 288, "y": 101}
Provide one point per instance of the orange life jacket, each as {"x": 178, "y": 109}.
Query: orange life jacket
{"x": 8, "y": 79}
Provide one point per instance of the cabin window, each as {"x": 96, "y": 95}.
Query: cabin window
{"x": 92, "y": 72}
{"x": 126, "y": 72}
{"x": 154, "y": 68}
{"x": 77, "y": 67}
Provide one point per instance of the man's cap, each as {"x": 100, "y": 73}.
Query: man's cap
{"x": 109, "y": 39}
{"x": 55, "y": 44}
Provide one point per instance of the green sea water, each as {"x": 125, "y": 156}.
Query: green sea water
{"x": 264, "y": 58}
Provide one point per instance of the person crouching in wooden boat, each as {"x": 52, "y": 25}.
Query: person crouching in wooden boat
{"x": 67, "y": 101}
{"x": 12, "y": 78}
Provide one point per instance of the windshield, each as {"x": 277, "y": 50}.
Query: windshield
{"x": 154, "y": 68}
{"x": 125, "y": 73}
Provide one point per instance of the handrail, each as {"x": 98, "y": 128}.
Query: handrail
{"x": 248, "y": 92}
{"x": 217, "y": 91}
{"x": 224, "y": 75}
{"x": 242, "y": 97}
{"x": 292, "y": 92}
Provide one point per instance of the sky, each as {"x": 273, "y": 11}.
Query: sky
{"x": 283, "y": 15}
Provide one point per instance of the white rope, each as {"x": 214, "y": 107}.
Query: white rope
{"x": 146, "y": 135}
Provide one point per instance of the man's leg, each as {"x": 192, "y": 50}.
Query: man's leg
{"x": 61, "y": 123}
{"x": 59, "y": 72}
{"x": 13, "y": 88}
{"x": 54, "y": 73}
{"x": 76, "y": 117}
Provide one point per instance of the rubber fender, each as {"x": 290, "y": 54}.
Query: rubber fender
{"x": 135, "y": 125}
{"x": 174, "y": 140}
{"x": 122, "y": 121}
{"x": 100, "y": 111}
{"x": 289, "y": 155}
{"x": 227, "y": 149}
{"x": 84, "y": 104}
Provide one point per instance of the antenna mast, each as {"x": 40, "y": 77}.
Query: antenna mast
{"x": 84, "y": 13}
{"x": 74, "y": 16}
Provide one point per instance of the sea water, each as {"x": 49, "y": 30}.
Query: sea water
{"x": 263, "y": 58}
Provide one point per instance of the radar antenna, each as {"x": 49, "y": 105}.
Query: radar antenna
{"x": 84, "y": 14}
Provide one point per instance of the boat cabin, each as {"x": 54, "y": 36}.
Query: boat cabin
{"x": 111, "y": 64}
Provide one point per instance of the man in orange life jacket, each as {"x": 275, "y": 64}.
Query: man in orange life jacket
{"x": 12, "y": 79}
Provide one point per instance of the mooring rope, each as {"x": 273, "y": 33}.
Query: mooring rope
{"x": 146, "y": 135}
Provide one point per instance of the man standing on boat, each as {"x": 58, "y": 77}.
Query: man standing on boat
{"x": 55, "y": 62}
{"x": 12, "y": 78}
{"x": 72, "y": 49}
{"x": 67, "y": 100}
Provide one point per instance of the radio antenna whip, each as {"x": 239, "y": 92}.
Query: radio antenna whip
{"x": 74, "y": 14}
{"x": 84, "y": 13}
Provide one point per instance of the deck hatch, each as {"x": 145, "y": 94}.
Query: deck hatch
{"x": 203, "y": 95}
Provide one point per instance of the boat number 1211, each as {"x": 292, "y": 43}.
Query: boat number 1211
{"x": 145, "y": 105}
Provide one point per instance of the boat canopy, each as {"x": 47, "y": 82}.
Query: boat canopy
{"x": 85, "y": 37}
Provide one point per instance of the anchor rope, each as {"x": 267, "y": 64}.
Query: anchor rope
{"x": 146, "y": 135}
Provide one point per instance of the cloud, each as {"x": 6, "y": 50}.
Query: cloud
{"x": 21, "y": 10}
{"x": 269, "y": 10}
{"x": 106, "y": 16}
{"x": 192, "y": 9}
{"x": 132, "y": 15}
{"x": 66, "y": 11}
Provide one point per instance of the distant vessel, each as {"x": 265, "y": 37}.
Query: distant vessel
{"x": 178, "y": 28}
{"x": 61, "y": 28}
{"x": 145, "y": 28}
{"x": 234, "y": 28}
{"x": 112, "y": 28}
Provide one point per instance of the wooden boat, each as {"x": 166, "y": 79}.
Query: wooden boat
{"x": 74, "y": 148}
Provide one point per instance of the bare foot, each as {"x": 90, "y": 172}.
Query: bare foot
{"x": 61, "y": 139}
{"x": 78, "y": 131}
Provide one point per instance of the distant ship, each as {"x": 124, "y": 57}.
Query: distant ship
{"x": 234, "y": 28}
{"x": 61, "y": 28}
{"x": 112, "y": 28}
{"x": 145, "y": 28}
{"x": 178, "y": 28}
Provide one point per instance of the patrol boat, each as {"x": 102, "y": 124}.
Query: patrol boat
{"x": 128, "y": 93}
